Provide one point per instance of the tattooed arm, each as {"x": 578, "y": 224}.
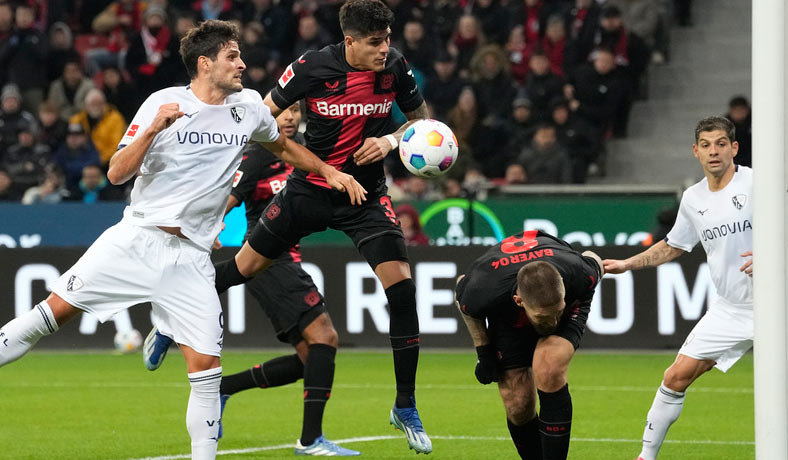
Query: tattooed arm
{"x": 657, "y": 254}
{"x": 376, "y": 148}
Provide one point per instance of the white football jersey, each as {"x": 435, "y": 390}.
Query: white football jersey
{"x": 188, "y": 170}
{"x": 722, "y": 222}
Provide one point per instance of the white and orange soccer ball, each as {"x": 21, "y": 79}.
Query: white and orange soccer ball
{"x": 128, "y": 341}
{"x": 428, "y": 148}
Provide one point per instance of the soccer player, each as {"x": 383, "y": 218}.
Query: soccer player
{"x": 289, "y": 298}
{"x": 717, "y": 212}
{"x": 349, "y": 89}
{"x": 185, "y": 145}
{"x": 525, "y": 303}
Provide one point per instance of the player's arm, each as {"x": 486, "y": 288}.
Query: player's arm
{"x": 127, "y": 161}
{"x": 300, "y": 157}
{"x": 487, "y": 366}
{"x": 376, "y": 148}
{"x": 656, "y": 255}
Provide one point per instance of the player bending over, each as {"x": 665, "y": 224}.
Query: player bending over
{"x": 717, "y": 212}
{"x": 350, "y": 88}
{"x": 525, "y": 303}
{"x": 185, "y": 145}
{"x": 289, "y": 298}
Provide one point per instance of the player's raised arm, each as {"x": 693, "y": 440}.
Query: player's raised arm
{"x": 657, "y": 254}
{"x": 300, "y": 157}
{"x": 376, "y": 148}
{"x": 127, "y": 161}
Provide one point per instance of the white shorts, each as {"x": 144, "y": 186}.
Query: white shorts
{"x": 723, "y": 335}
{"x": 128, "y": 265}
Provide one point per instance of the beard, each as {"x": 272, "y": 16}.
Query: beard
{"x": 544, "y": 330}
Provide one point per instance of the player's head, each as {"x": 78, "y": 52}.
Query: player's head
{"x": 715, "y": 145}
{"x": 210, "y": 51}
{"x": 540, "y": 291}
{"x": 289, "y": 120}
{"x": 366, "y": 25}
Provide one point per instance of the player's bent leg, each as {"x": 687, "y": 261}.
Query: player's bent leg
{"x": 240, "y": 269}
{"x": 20, "y": 334}
{"x": 669, "y": 401}
{"x": 550, "y": 366}
{"x": 203, "y": 414}
{"x": 518, "y": 394}
{"x": 155, "y": 349}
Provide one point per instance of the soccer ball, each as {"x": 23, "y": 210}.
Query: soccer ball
{"x": 428, "y": 148}
{"x": 128, "y": 341}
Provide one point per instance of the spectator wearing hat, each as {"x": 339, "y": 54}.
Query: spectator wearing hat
{"x": 12, "y": 118}
{"x": 740, "y": 113}
{"x": 27, "y": 159}
{"x": 521, "y": 126}
{"x": 52, "y": 129}
{"x": 93, "y": 187}
{"x": 444, "y": 86}
{"x": 27, "y": 58}
{"x": 103, "y": 123}
{"x": 61, "y": 49}
{"x": 74, "y": 154}
{"x": 542, "y": 85}
{"x": 153, "y": 54}
{"x": 68, "y": 92}
{"x": 545, "y": 160}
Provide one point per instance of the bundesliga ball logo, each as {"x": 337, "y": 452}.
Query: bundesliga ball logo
{"x": 428, "y": 148}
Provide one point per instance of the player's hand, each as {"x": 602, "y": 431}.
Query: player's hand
{"x": 747, "y": 267}
{"x": 346, "y": 183}
{"x": 374, "y": 149}
{"x": 166, "y": 116}
{"x": 487, "y": 367}
{"x": 216, "y": 243}
{"x": 614, "y": 266}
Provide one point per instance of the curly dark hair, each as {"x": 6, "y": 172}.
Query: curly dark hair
{"x": 207, "y": 40}
{"x": 713, "y": 124}
{"x": 361, "y": 18}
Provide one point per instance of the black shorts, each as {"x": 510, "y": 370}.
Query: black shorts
{"x": 515, "y": 341}
{"x": 289, "y": 298}
{"x": 301, "y": 209}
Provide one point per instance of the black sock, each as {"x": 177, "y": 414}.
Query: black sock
{"x": 526, "y": 439}
{"x": 318, "y": 379}
{"x": 555, "y": 423}
{"x": 227, "y": 275}
{"x": 404, "y": 335}
{"x": 272, "y": 373}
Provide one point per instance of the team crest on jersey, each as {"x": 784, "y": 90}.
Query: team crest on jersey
{"x": 238, "y": 113}
{"x": 386, "y": 81}
{"x": 272, "y": 212}
{"x": 74, "y": 283}
{"x": 739, "y": 200}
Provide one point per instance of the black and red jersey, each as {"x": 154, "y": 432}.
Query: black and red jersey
{"x": 491, "y": 281}
{"x": 345, "y": 106}
{"x": 259, "y": 178}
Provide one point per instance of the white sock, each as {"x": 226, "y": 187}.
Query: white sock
{"x": 203, "y": 413}
{"x": 20, "y": 334}
{"x": 664, "y": 411}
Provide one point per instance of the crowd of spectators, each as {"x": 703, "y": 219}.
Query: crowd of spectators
{"x": 531, "y": 88}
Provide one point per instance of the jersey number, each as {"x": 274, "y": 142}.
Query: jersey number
{"x": 387, "y": 209}
{"x": 519, "y": 243}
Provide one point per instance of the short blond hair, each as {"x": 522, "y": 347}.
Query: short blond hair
{"x": 540, "y": 284}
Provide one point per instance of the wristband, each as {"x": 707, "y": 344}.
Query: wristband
{"x": 392, "y": 140}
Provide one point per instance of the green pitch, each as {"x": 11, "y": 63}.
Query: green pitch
{"x": 105, "y": 406}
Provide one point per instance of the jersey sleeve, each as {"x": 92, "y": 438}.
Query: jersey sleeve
{"x": 408, "y": 95}
{"x": 469, "y": 303}
{"x": 141, "y": 121}
{"x": 267, "y": 130}
{"x": 294, "y": 82}
{"x": 245, "y": 180}
{"x": 683, "y": 235}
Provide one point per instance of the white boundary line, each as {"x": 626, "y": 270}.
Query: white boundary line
{"x": 450, "y": 438}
